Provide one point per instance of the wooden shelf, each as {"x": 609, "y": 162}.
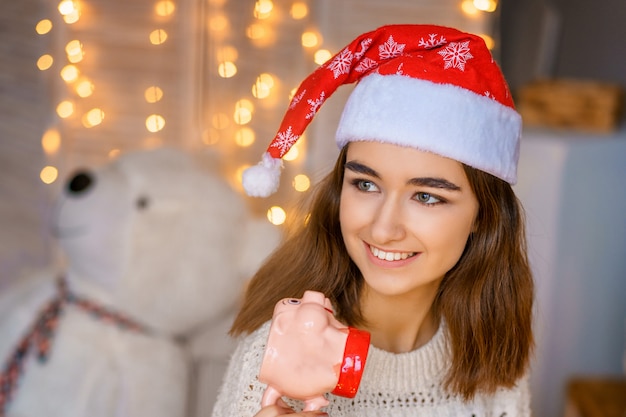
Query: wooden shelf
{"x": 596, "y": 397}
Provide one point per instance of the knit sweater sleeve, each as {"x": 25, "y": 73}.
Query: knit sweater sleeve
{"x": 241, "y": 392}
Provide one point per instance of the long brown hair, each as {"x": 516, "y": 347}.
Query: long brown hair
{"x": 486, "y": 298}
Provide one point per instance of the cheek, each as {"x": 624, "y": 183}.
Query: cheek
{"x": 352, "y": 215}
{"x": 449, "y": 236}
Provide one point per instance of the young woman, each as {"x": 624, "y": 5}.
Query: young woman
{"x": 416, "y": 235}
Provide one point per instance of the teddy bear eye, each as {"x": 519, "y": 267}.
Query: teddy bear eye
{"x": 80, "y": 182}
{"x": 293, "y": 301}
{"x": 143, "y": 202}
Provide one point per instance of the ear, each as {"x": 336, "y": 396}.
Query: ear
{"x": 278, "y": 324}
{"x": 475, "y": 225}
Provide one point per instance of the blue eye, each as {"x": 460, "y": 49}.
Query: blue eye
{"x": 426, "y": 198}
{"x": 293, "y": 301}
{"x": 364, "y": 185}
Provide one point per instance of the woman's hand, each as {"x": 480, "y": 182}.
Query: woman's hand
{"x": 281, "y": 408}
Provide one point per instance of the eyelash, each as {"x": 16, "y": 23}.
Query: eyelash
{"x": 358, "y": 182}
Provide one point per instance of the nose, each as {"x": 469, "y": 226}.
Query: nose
{"x": 388, "y": 223}
{"x": 80, "y": 182}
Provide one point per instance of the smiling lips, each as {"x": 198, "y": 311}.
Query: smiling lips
{"x": 390, "y": 256}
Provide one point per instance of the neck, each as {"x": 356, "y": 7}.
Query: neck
{"x": 399, "y": 324}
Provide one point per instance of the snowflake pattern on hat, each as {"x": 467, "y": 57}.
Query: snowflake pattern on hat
{"x": 432, "y": 42}
{"x": 341, "y": 63}
{"x": 284, "y": 141}
{"x": 456, "y": 55}
{"x": 433, "y": 54}
{"x": 390, "y": 49}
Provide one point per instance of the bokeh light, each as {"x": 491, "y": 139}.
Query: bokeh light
{"x": 301, "y": 183}
{"x": 65, "y": 109}
{"x": 155, "y": 123}
{"x": 153, "y": 94}
{"x": 49, "y": 174}
{"x": 43, "y": 26}
{"x": 45, "y": 62}
{"x": 276, "y": 215}
{"x": 51, "y": 141}
{"x": 158, "y": 37}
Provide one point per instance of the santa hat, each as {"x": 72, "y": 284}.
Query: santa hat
{"x": 428, "y": 87}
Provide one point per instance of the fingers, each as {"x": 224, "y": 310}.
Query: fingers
{"x": 281, "y": 408}
{"x": 278, "y": 409}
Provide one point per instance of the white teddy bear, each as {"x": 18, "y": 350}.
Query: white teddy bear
{"x": 157, "y": 248}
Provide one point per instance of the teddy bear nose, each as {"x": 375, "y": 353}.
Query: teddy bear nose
{"x": 80, "y": 182}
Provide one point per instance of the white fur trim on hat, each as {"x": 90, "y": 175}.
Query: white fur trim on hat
{"x": 441, "y": 118}
{"x": 262, "y": 180}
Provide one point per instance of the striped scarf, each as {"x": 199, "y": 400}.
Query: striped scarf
{"x": 39, "y": 336}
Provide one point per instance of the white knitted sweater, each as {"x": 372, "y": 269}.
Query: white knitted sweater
{"x": 395, "y": 385}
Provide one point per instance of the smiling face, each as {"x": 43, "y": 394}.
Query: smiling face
{"x": 405, "y": 216}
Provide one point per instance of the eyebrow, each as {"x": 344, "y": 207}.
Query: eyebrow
{"x": 431, "y": 182}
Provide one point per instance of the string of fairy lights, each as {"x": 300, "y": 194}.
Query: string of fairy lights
{"x": 229, "y": 126}
{"x": 80, "y": 86}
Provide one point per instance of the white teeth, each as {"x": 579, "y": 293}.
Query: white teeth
{"x": 390, "y": 256}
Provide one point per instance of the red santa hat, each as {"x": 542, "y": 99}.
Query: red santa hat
{"x": 428, "y": 87}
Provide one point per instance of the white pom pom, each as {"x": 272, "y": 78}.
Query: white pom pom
{"x": 263, "y": 179}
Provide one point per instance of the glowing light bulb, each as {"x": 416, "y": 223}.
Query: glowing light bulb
{"x": 243, "y": 112}
{"x": 155, "y": 123}
{"x": 49, "y": 174}
{"x": 72, "y": 17}
{"x": 292, "y": 154}
{"x": 244, "y": 137}
{"x": 276, "y": 215}
{"x": 486, "y": 5}
{"x": 158, "y": 37}
{"x": 51, "y": 141}
{"x": 267, "y": 78}
{"x": 322, "y": 56}
{"x": 94, "y": 117}
{"x": 310, "y": 39}
{"x": 84, "y": 88}
{"x": 256, "y": 31}
{"x": 260, "y": 90}
{"x": 65, "y": 109}
{"x": 43, "y": 26}
{"x": 299, "y": 10}
{"x": 301, "y": 183}
{"x": 165, "y": 8}
{"x": 70, "y": 73}
{"x": 263, "y": 86}
{"x": 263, "y": 9}
{"x": 153, "y": 94}
{"x": 45, "y": 62}
{"x": 242, "y": 116}
{"x": 468, "y": 8}
{"x": 74, "y": 51}
{"x": 246, "y": 104}
{"x": 66, "y": 7}
{"x": 227, "y": 69}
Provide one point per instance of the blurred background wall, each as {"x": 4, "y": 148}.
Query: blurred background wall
{"x": 570, "y": 181}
